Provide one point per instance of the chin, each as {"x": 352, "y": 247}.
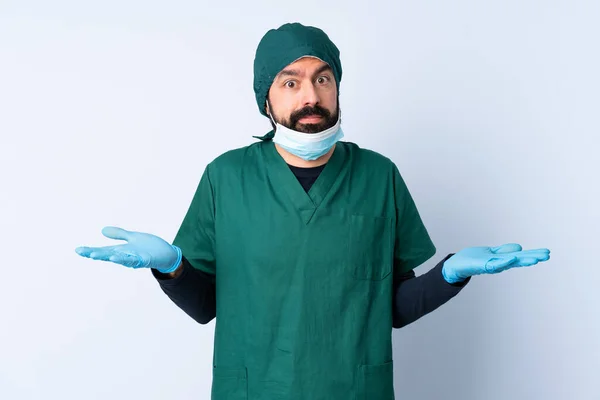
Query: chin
{"x": 310, "y": 128}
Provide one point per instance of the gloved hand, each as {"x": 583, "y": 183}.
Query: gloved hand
{"x": 490, "y": 260}
{"x": 143, "y": 250}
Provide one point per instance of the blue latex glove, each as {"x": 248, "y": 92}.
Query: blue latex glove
{"x": 143, "y": 250}
{"x": 490, "y": 260}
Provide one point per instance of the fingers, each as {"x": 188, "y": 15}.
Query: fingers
{"x": 84, "y": 251}
{"x": 96, "y": 253}
{"x": 499, "y": 263}
{"x": 507, "y": 248}
{"x": 114, "y": 232}
{"x": 511, "y": 255}
{"x": 128, "y": 260}
{"x": 113, "y": 254}
{"x": 540, "y": 254}
{"x": 104, "y": 253}
{"x": 522, "y": 262}
{"x": 527, "y": 261}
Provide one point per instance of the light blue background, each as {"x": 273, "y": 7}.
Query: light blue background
{"x": 110, "y": 111}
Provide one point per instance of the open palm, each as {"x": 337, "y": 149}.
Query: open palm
{"x": 142, "y": 250}
{"x": 490, "y": 260}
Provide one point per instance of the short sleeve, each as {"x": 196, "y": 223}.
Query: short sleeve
{"x": 413, "y": 245}
{"x": 196, "y": 235}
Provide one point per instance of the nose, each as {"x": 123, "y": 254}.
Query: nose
{"x": 309, "y": 94}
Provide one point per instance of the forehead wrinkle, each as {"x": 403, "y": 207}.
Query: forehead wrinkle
{"x": 298, "y": 73}
{"x": 288, "y": 72}
{"x": 323, "y": 68}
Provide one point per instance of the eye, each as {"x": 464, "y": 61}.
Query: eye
{"x": 323, "y": 79}
{"x": 290, "y": 84}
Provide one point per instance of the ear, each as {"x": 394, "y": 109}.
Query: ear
{"x": 267, "y": 107}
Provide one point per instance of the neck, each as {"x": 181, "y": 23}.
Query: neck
{"x": 296, "y": 161}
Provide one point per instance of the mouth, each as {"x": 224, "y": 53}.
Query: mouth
{"x": 311, "y": 119}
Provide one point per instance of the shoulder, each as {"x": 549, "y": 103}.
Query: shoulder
{"x": 367, "y": 158}
{"x": 231, "y": 165}
{"x": 235, "y": 158}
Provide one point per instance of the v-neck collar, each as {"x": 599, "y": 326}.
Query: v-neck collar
{"x": 306, "y": 203}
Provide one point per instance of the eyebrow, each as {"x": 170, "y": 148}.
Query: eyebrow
{"x": 295, "y": 72}
{"x": 323, "y": 68}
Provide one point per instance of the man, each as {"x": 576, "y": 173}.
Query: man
{"x": 303, "y": 246}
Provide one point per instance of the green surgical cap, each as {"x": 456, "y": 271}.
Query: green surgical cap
{"x": 281, "y": 47}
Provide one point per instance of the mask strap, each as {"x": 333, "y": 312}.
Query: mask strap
{"x": 271, "y": 114}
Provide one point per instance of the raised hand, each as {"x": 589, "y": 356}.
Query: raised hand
{"x": 490, "y": 260}
{"x": 142, "y": 250}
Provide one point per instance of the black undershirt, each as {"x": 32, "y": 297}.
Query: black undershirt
{"x": 307, "y": 176}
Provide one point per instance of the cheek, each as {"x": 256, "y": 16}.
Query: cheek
{"x": 329, "y": 100}
{"x": 281, "y": 104}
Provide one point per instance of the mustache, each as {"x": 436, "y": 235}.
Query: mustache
{"x": 309, "y": 111}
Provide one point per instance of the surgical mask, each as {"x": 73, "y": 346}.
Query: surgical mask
{"x": 308, "y": 146}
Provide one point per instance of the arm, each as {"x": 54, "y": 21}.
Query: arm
{"x": 191, "y": 290}
{"x": 192, "y": 285}
{"x": 414, "y": 297}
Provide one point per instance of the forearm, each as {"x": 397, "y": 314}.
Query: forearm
{"x": 191, "y": 290}
{"x": 413, "y": 298}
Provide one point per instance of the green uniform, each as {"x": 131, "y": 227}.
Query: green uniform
{"x": 303, "y": 280}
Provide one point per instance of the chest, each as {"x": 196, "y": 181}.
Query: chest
{"x": 283, "y": 234}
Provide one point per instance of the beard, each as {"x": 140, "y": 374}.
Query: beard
{"x": 328, "y": 119}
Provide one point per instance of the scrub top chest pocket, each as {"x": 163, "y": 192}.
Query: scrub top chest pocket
{"x": 370, "y": 247}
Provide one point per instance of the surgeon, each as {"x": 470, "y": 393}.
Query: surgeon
{"x": 302, "y": 245}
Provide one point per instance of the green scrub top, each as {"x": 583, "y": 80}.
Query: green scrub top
{"x": 303, "y": 280}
